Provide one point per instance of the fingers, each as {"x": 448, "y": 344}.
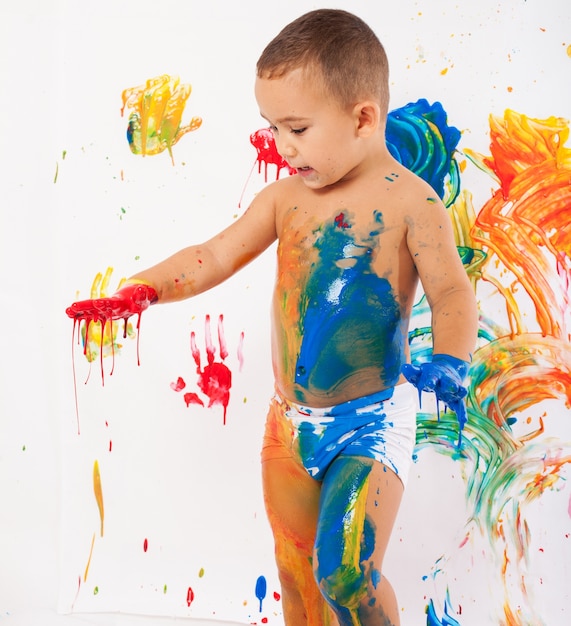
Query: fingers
{"x": 443, "y": 381}
{"x": 411, "y": 373}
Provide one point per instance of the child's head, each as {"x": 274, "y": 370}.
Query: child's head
{"x": 336, "y": 48}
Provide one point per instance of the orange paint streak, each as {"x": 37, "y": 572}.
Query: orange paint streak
{"x": 98, "y": 493}
{"x": 89, "y": 559}
{"x": 525, "y": 223}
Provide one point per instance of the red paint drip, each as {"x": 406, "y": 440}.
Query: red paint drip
{"x": 189, "y": 596}
{"x": 263, "y": 141}
{"x": 130, "y": 300}
{"x": 145, "y": 545}
{"x": 277, "y": 596}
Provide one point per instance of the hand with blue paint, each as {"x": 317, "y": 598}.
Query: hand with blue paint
{"x": 445, "y": 376}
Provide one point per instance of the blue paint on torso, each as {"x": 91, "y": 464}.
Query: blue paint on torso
{"x": 350, "y": 318}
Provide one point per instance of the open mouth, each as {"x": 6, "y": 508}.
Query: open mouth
{"x": 304, "y": 171}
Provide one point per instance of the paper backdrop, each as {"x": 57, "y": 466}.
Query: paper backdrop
{"x": 161, "y": 511}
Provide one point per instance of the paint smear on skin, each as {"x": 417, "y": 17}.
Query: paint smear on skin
{"x": 261, "y": 590}
{"x": 156, "y": 114}
{"x": 343, "y": 305}
{"x": 338, "y": 544}
{"x": 98, "y": 494}
{"x": 419, "y": 137}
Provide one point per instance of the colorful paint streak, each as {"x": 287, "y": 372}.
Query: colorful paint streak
{"x": 518, "y": 242}
{"x": 97, "y": 490}
{"x": 342, "y": 543}
{"x": 156, "y": 115}
{"x": 419, "y": 137}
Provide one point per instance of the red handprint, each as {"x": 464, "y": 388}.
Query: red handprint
{"x": 215, "y": 380}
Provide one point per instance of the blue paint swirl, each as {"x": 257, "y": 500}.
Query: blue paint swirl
{"x": 419, "y": 137}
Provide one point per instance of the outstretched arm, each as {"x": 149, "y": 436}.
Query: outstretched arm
{"x": 190, "y": 271}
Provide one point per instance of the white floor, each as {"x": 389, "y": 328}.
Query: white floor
{"x": 46, "y": 617}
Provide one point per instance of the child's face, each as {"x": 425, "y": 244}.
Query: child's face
{"x": 311, "y": 130}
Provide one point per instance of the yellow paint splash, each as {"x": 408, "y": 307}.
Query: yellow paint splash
{"x": 104, "y": 341}
{"x": 155, "y": 120}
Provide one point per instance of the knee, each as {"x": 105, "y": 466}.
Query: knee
{"x": 343, "y": 587}
{"x": 344, "y": 573}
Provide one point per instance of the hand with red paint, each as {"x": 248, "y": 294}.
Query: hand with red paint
{"x": 132, "y": 299}
{"x": 445, "y": 376}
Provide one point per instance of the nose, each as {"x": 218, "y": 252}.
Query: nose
{"x": 284, "y": 145}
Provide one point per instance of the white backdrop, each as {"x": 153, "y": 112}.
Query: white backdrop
{"x": 481, "y": 539}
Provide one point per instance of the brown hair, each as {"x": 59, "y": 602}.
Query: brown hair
{"x": 340, "y": 47}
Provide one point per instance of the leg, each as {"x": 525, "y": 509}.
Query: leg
{"x": 291, "y": 498}
{"x": 292, "y": 501}
{"x": 359, "y": 503}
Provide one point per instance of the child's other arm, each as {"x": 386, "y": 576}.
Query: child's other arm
{"x": 448, "y": 290}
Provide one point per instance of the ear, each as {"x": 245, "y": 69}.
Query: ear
{"x": 367, "y": 116}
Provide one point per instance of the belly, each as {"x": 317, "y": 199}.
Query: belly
{"x": 346, "y": 338}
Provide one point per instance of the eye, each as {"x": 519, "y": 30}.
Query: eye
{"x": 298, "y": 131}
